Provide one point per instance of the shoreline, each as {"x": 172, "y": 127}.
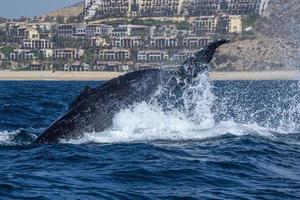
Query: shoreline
{"x": 104, "y": 76}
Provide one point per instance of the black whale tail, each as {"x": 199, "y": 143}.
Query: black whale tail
{"x": 197, "y": 64}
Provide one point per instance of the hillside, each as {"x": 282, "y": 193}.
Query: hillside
{"x": 69, "y": 11}
{"x": 275, "y": 45}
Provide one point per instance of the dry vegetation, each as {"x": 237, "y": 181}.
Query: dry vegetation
{"x": 70, "y": 11}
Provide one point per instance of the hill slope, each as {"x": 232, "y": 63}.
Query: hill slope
{"x": 69, "y": 11}
{"x": 276, "y": 44}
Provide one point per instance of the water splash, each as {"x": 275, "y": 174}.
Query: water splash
{"x": 18, "y": 137}
{"x": 203, "y": 115}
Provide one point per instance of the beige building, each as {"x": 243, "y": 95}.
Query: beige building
{"x": 235, "y": 24}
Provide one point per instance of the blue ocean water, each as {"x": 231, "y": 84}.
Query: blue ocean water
{"x": 246, "y": 146}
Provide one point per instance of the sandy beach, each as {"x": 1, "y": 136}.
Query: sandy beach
{"x": 96, "y": 76}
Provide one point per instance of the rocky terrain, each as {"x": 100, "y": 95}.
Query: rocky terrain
{"x": 69, "y": 11}
{"x": 275, "y": 43}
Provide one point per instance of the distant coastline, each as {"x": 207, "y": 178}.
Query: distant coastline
{"x": 103, "y": 76}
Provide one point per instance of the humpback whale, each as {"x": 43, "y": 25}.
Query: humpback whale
{"x": 94, "y": 109}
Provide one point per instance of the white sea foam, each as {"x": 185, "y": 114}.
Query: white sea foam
{"x": 149, "y": 121}
{"x": 6, "y": 138}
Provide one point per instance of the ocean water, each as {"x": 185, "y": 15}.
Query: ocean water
{"x": 234, "y": 140}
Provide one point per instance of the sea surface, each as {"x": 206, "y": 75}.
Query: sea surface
{"x": 241, "y": 141}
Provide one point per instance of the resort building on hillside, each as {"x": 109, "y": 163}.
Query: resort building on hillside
{"x": 221, "y": 23}
{"x": 21, "y": 32}
{"x": 114, "y": 54}
{"x": 21, "y": 54}
{"x": 131, "y": 8}
{"x": 76, "y": 66}
{"x": 163, "y": 42}
{"x": 65, "y": 30}
{"x": 196, "y": 42}
{"x": 37, "y": 44}
{"x": 232, "y": 7}
{"x": 153, "y": 56}
{"x": 126, "y": 42}
{"x": 159, "y": 8}
{"x": 68, "y": 53}
{"x": 182, "y": 55}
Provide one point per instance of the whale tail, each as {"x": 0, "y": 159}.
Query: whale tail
{"x": 198, "y": 63}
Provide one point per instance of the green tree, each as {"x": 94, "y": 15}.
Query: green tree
{"x": 5, "y": 64}
{"x": 7, "y": 50}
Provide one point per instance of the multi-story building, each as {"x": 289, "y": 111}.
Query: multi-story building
{"x": 182, "y": 55}
{"x": 112, "y": 65}
{"x": 235, "y": 24}
{"x": 204, "y": 7}
{"x": 205, "y": 24}
{"x": 221, "y": 23}
{"x": 37, "y": 44}
{"x": 232, "y": 7}
{"x": 153, "y": 56}
{"x": 126, "y": 42}
{"x": 163, "y": 42}
{"x": 114, "y": 54}
{"x": 159, "y": 8}
{"x": 66, "y": 30}
{"x": 196, "y": 42}
{"x": 80, "y": 30}
{"x": 68, "y": 53}
{"x": 103, "y": 30}
{"x": 245, "y": 7}
{"x": 20, "y": 32}
{"x": 21, "y": 54}
{"x": 76, "y": 66}
{"x": 122, "y": 8}
{"x": 106, "y": 8}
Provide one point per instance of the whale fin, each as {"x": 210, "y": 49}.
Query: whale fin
{"x": 198, "y": 63}
{"x": 206, "y": 54}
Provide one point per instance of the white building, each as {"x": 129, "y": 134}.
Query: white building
{"x": 163, "y": 42}
{"x": 126, "y": 42}
{"x": 196, "y": 42}
{"x": 68, "y": 53}
{"x": 37, "y": 44}
{"x": 21, "y": 54}
{"x": 114, "y": 54}
{"x": 153, "y": 56}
